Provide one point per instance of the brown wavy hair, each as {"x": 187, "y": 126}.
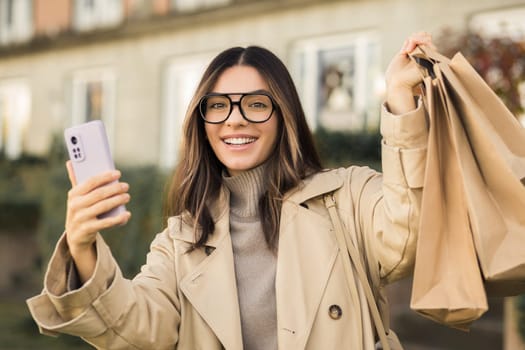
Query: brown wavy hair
{"x": 197, "y": 178}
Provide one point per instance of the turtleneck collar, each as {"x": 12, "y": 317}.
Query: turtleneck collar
{"x": 245, "y": 191}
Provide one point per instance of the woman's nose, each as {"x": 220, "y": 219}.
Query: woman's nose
{"x": 236, "y": 117}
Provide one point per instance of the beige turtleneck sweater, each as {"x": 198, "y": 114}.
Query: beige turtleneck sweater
{"x": 255, "y": 263}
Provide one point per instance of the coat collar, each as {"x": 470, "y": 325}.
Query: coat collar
{"x": 313, "y": 186}
{"x": 316, "y": 185}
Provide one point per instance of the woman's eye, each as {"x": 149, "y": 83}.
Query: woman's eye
{"x": 217, "y": 105}
{"x": 258, "y": 105}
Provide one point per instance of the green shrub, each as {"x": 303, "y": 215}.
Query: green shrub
{"x": 343, "y": 148}
{"x": 19, "y": 193}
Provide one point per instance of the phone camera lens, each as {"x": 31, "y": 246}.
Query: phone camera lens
{"x": 74, "y": 140}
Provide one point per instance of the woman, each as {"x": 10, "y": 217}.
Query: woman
{"x": 248, "y": 258}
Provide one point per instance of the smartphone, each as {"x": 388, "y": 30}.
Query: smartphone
{"x": 88, "y": 148}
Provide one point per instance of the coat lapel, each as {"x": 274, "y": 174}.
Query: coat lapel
{"x": 307, "y": 253}
{"x": 211, "y": 286}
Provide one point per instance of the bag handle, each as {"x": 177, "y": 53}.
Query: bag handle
{"x": 429, "y": 54}
{"x": 426, "y": 57}
{"x": 345, "y": 244}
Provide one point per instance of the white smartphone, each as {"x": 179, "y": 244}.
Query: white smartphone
{"x": 88, "y": 148}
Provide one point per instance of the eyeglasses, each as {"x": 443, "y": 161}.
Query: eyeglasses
{"x": 255, "y": 107}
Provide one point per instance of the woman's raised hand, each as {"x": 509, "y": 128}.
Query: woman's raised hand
{"x": 85, "y": 202}
{"x": 403, "y": 75}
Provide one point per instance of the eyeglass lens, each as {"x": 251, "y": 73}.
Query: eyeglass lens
{"x": 254, "y": 107}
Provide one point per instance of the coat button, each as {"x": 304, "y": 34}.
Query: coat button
{"x": 335, "y": 312}
{"x": 208, "y": 250}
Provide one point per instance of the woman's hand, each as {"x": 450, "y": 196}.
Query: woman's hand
{"x": 85, "y": 202}
{"x": 403, "y": 75}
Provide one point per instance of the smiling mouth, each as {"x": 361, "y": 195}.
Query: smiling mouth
{"x": 239, "y": 140}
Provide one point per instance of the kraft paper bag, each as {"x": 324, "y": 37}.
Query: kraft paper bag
{"x": 447, "y": 284}
{"x": 493, "y": 177}
{"x": 492, "y": 160}
{"x": 474, "y": 195}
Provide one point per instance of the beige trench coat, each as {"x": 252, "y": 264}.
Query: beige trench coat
{"x": 183, "y": 300}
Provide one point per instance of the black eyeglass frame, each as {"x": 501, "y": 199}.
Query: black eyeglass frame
{"x": 236, "y": 103}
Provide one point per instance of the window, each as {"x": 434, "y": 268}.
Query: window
{"x": 192, "y": 5}
{"x": 94, "y": 97}
{"x": 340, "y": 81}
{"x": 182, "y": 77}
{"x": 15, "y": 112}
{"x": 15, "y": 21}
{"x": 502, "y": 23}
{"x": 93, "y": 14}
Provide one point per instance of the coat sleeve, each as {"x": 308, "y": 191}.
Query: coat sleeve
{"x": 387, "y": 206}
{"x": 109, "y": 311}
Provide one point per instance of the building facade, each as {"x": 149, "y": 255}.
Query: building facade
{"x": 135, "y": 63}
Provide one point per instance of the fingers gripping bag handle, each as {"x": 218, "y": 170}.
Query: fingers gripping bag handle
{"x": 426, "y": 58}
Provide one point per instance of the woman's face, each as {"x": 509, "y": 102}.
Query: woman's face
{"x": 241, "y": 145}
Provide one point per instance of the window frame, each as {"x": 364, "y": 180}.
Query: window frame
{"x": 79, "y": 82}
{"x": 103, "y": 14}
{"x": 305, "y": 69}
{"x": 187, "y": 69}
{"x": 499, "y": 23}
{"x": 16, "y": 24}
{"x": 17, "y": 92}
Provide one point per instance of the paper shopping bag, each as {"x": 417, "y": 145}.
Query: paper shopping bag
{"x": 492, "y": 161}
{"x": 447, "y": 285}
{"x": 493, "y": 177}
{"x": 474, "y": 186}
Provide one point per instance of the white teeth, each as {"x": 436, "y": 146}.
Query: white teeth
{"x": 239, "y": 140}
